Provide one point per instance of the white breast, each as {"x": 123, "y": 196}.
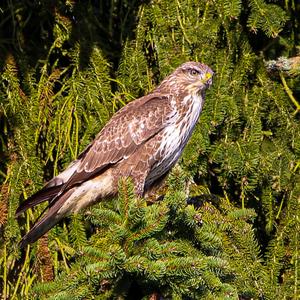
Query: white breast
{"x": 176, "y": 136}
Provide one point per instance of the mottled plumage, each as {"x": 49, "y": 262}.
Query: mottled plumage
{"x": 143, "y": 140}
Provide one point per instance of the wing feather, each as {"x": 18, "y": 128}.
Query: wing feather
{"x": 127, "y": 130}
{"x": 132, "y": 126}
{"x": 37, "y": 198}
{"x": 50, "y": 190}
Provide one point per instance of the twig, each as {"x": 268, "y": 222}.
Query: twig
{"x": 290, "y": 93}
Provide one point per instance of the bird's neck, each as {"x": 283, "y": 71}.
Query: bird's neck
{"x": 192, "y": 105}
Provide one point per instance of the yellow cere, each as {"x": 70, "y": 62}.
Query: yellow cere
{"x": 207, "y": 76}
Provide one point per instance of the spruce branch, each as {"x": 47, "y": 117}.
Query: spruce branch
{"x": 290, "y": 66}
{"x": 290, "y": 94}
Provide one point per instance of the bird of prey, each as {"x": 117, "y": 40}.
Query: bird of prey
{"x": 143, "y": 140}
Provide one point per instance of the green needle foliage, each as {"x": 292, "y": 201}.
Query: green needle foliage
{"x": 167, "y": 247}
{"x": 228, "y": 224}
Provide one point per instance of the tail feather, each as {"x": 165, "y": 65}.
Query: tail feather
{"x": 39, "y": 229}
{"x": 47, "y": 193}
{"x": 50, "y": 190}
{"x": 51, "y": 218}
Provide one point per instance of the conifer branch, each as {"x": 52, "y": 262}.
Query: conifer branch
{"x": 290, "y": 93}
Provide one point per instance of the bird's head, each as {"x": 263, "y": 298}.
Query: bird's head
{"x": 193, "y": 77}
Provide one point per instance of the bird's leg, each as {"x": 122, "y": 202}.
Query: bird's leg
{"x": 156, "y": 195}
{"x": 139, "y": 189}
{"x": 157, "y": 190}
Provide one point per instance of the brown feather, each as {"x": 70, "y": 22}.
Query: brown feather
{"x": 96, "y": 159}
{"x": 42, "y": 225}
{"x": 43, "y": 195}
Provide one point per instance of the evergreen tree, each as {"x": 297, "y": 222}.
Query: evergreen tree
{"x": 228, "y": 224}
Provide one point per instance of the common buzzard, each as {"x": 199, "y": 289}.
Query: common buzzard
{"x": 142, "y": 140}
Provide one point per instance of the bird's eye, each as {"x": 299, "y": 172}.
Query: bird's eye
{"x": 194, "y": 72}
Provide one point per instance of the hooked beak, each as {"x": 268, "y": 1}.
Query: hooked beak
{"x": 202, "y": 83}
{"x": 207, "y": 80}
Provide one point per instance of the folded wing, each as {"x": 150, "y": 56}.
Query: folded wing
{"x": 127, "y": 130}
